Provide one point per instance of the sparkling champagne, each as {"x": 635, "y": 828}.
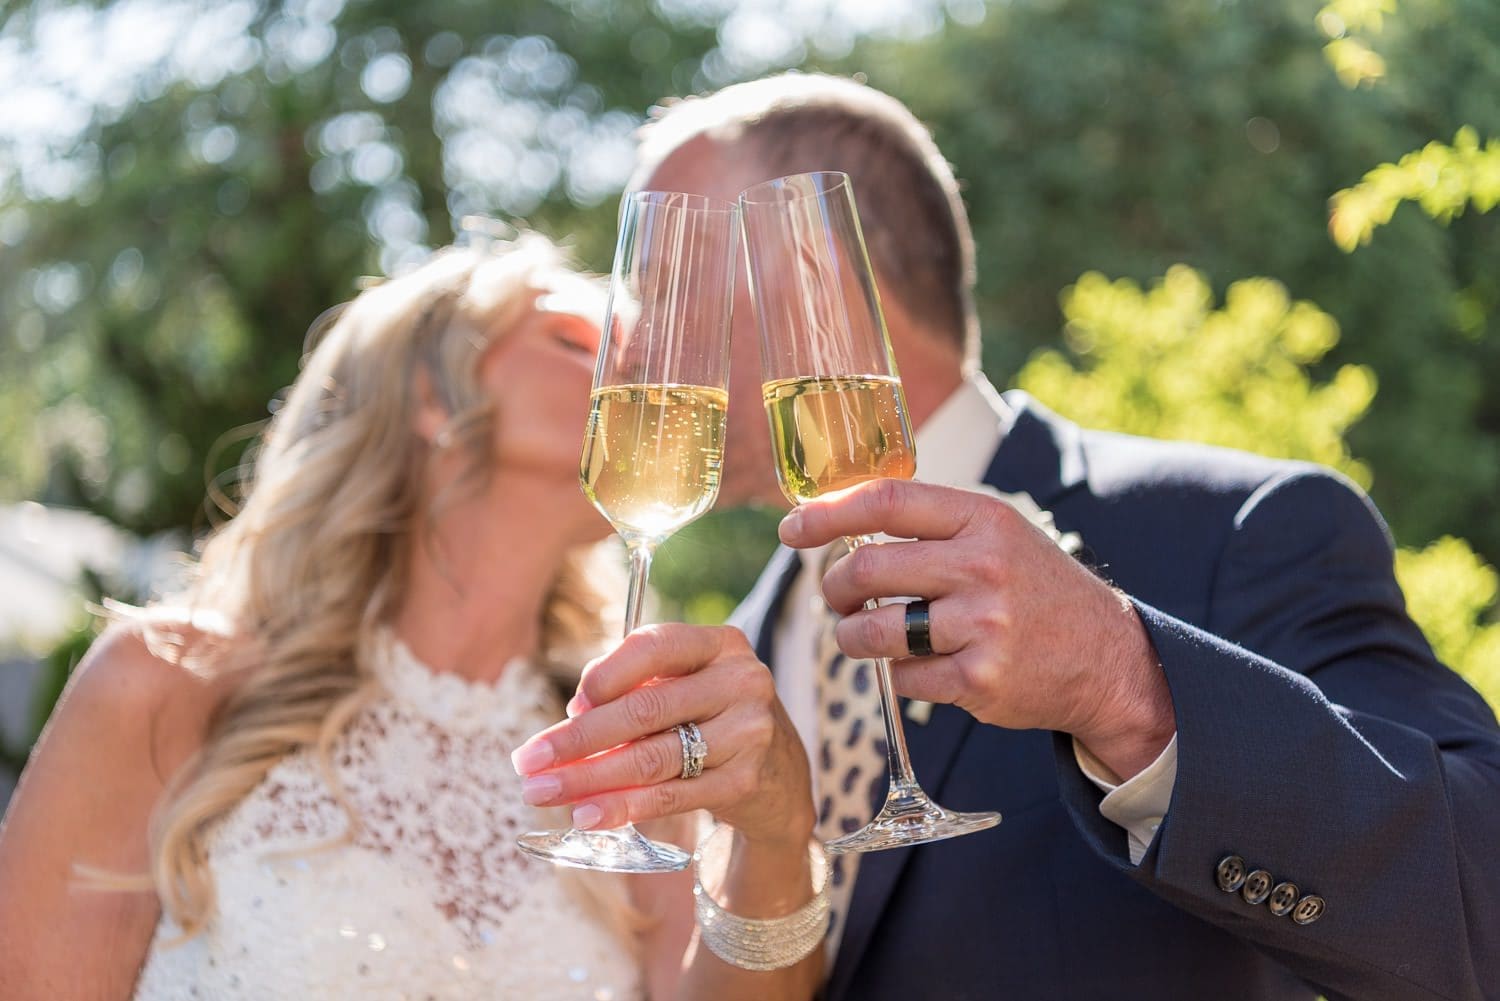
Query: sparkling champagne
{"x": 652, "y": 455}
{"x": 833, "y": 432}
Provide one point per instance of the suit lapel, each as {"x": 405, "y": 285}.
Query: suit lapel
{"x": 1041, "y": 455}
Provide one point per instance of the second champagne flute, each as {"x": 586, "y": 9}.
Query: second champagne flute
{"x": 654, "y": 443}
{"x": 837, "y": 413}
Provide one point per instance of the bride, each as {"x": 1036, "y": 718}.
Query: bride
{"x": 296, "y": 781}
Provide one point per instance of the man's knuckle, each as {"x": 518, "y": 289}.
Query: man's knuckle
{"x": 972, "y": 673}
{"x": 861, "y": 568}
{"x": 993, "y": 619}
{"x": 990, "y": 568}
{"x": 1003, "y": 519}
{"x": 966, "y": 560}
{"x": 887, "y": 497}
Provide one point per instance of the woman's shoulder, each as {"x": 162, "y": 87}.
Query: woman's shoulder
{"x": 142, "y": 682}
{"x": 131, "y": 716}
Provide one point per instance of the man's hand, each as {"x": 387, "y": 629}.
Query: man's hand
{"x": 1023, "y": 635}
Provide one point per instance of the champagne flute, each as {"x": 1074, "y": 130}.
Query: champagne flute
{"x": 654, "y": 443}
{"x": 837, "y": 413}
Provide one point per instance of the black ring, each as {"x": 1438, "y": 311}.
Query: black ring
{"x": 918, "y": 630}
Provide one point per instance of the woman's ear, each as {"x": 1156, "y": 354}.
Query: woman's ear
{"x": 431, "y": 416}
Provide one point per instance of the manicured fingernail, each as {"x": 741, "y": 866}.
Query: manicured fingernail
{"x": 586, "y": 816}
{"x": 577, "y": 705}
{"x": 539, "y": 789}
{"x": 791, "y": 523}
{"x": 532, "y": 756}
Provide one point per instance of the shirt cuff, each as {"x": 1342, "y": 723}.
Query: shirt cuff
{"x": 1138, "y": 804}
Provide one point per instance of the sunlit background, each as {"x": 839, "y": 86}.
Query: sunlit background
{"x": 1264, "y": 224}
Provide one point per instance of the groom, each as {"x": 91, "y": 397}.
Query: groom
{"x": 1228, "y": 763}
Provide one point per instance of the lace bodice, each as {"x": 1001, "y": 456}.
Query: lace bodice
{"x": 431, "y": 899}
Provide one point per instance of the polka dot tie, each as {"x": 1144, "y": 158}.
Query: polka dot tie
{"x": 851, "y": 755}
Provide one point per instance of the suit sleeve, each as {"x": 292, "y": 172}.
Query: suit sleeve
{"x": 1320, "y": 740}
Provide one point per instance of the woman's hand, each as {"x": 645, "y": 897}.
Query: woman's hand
{"x": 619, "y": 759}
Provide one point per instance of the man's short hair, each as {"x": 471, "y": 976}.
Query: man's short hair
{"x": 913, "y": 218}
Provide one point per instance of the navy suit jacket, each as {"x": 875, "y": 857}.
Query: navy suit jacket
{"x": 1318, "y": 739}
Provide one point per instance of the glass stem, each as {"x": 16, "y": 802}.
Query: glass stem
{"x": 903, "y": 781}
{"x": 640, "y": 570}
{"x": 635, "y": 602}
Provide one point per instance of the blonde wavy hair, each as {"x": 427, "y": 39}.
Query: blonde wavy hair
{"x": 315, "y": 560}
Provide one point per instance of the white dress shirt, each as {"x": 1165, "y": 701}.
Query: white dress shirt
{"x": 954, "y": 448}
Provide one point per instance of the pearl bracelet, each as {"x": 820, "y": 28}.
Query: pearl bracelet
{"x": 759, "y": 943}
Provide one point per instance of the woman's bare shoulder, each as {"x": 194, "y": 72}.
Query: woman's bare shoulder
{"x": 143, "y": 681}
{"x": 132, "y": 715}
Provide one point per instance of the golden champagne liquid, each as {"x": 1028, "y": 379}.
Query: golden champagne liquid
{"x": 652, "y": 454}
{"x": 833, "y": 432}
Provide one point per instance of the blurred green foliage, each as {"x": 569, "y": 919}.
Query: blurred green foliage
{"x": 1442, "y": 179}
{"x": 1169, "y": 363}
{"x": 1452, "y": 594}
{"x": 52, "y": 677}
{"x": 1166, "y": 363}
{"x": 703, "y": 570}
{"x": 1126, "y": 138}
{"x": 163, "y": 298}
{"x": 1344, "y": 22}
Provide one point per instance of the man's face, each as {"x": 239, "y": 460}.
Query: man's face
{"x": 700, "y": 168}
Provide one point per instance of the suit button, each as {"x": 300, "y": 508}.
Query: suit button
{"x": 1309, "y": 909}
{"x": 1230, "y": 875}
{"x": 1257, "y": 887}
{"x": 1283, "y": 899}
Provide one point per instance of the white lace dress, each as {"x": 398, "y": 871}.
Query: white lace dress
{"x": 432, "y": 900}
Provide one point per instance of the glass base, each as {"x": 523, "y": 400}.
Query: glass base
{"x": 622, "y": 850}
{"x": 910, "y": 819}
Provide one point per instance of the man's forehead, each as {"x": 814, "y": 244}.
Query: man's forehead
{"x": 702, "y": 166}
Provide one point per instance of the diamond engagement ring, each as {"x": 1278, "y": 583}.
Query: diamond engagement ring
{"x": 694, "y": 749}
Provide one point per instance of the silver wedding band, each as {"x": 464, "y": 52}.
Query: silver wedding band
{"x": 918, "y": 630}
{"x": 694, "y": 749}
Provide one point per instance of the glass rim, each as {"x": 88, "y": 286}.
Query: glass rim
{"x": 684, "y": 201}
{"x": 826, "y": 182}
